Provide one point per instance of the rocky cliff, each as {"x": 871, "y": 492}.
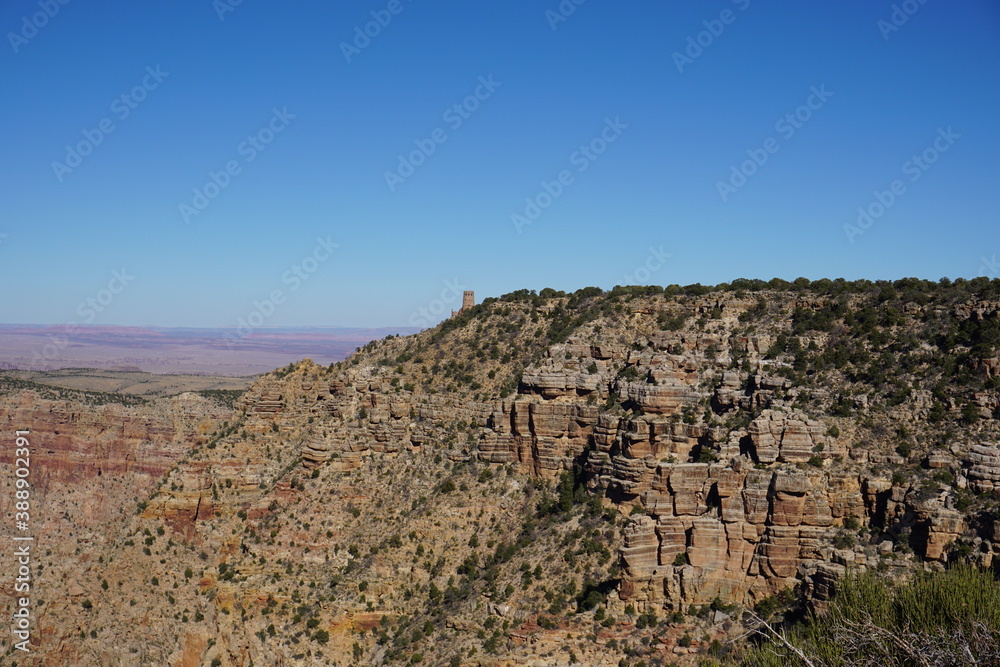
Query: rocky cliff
{"x": 90, "y": 464}
{"x": 547, "y": 477}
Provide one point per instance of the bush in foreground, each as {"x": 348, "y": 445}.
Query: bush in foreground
{"x": 941, "y": 618}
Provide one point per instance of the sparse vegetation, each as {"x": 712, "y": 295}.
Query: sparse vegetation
{"x": 399, "y": 488}
{"x": 947, "y": 618}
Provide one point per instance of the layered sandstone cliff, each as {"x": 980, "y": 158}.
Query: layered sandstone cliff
{"x": 725, "y": 446}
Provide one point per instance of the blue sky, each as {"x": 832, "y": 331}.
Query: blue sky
{"x": 667, "y": 123}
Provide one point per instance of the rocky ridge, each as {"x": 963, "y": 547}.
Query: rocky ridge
{"x": 739, "y": 444}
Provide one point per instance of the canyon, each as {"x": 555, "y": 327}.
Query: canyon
{"x": 599, "y": 476}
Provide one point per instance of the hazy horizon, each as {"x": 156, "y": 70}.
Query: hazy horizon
{"x": 174, "y": 350}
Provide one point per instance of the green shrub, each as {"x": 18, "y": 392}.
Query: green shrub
{"x": 953, "y": 616}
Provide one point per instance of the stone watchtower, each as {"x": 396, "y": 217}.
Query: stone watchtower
{"x": 468, "y": 301}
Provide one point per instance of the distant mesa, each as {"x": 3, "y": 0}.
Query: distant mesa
{"x": 468, "y": 301}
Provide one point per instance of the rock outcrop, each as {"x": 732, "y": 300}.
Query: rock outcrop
{"x": 984, "y": 473}
{"x": 717, "y": 447}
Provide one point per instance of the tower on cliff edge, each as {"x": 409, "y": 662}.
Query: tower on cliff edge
{"x": 468, "y": 301}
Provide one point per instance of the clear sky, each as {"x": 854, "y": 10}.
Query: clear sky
{"x": 205, "y": 150}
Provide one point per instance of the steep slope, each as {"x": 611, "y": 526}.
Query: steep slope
{"x": 591, "y": 477}
{"x": 91, "y": 459}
